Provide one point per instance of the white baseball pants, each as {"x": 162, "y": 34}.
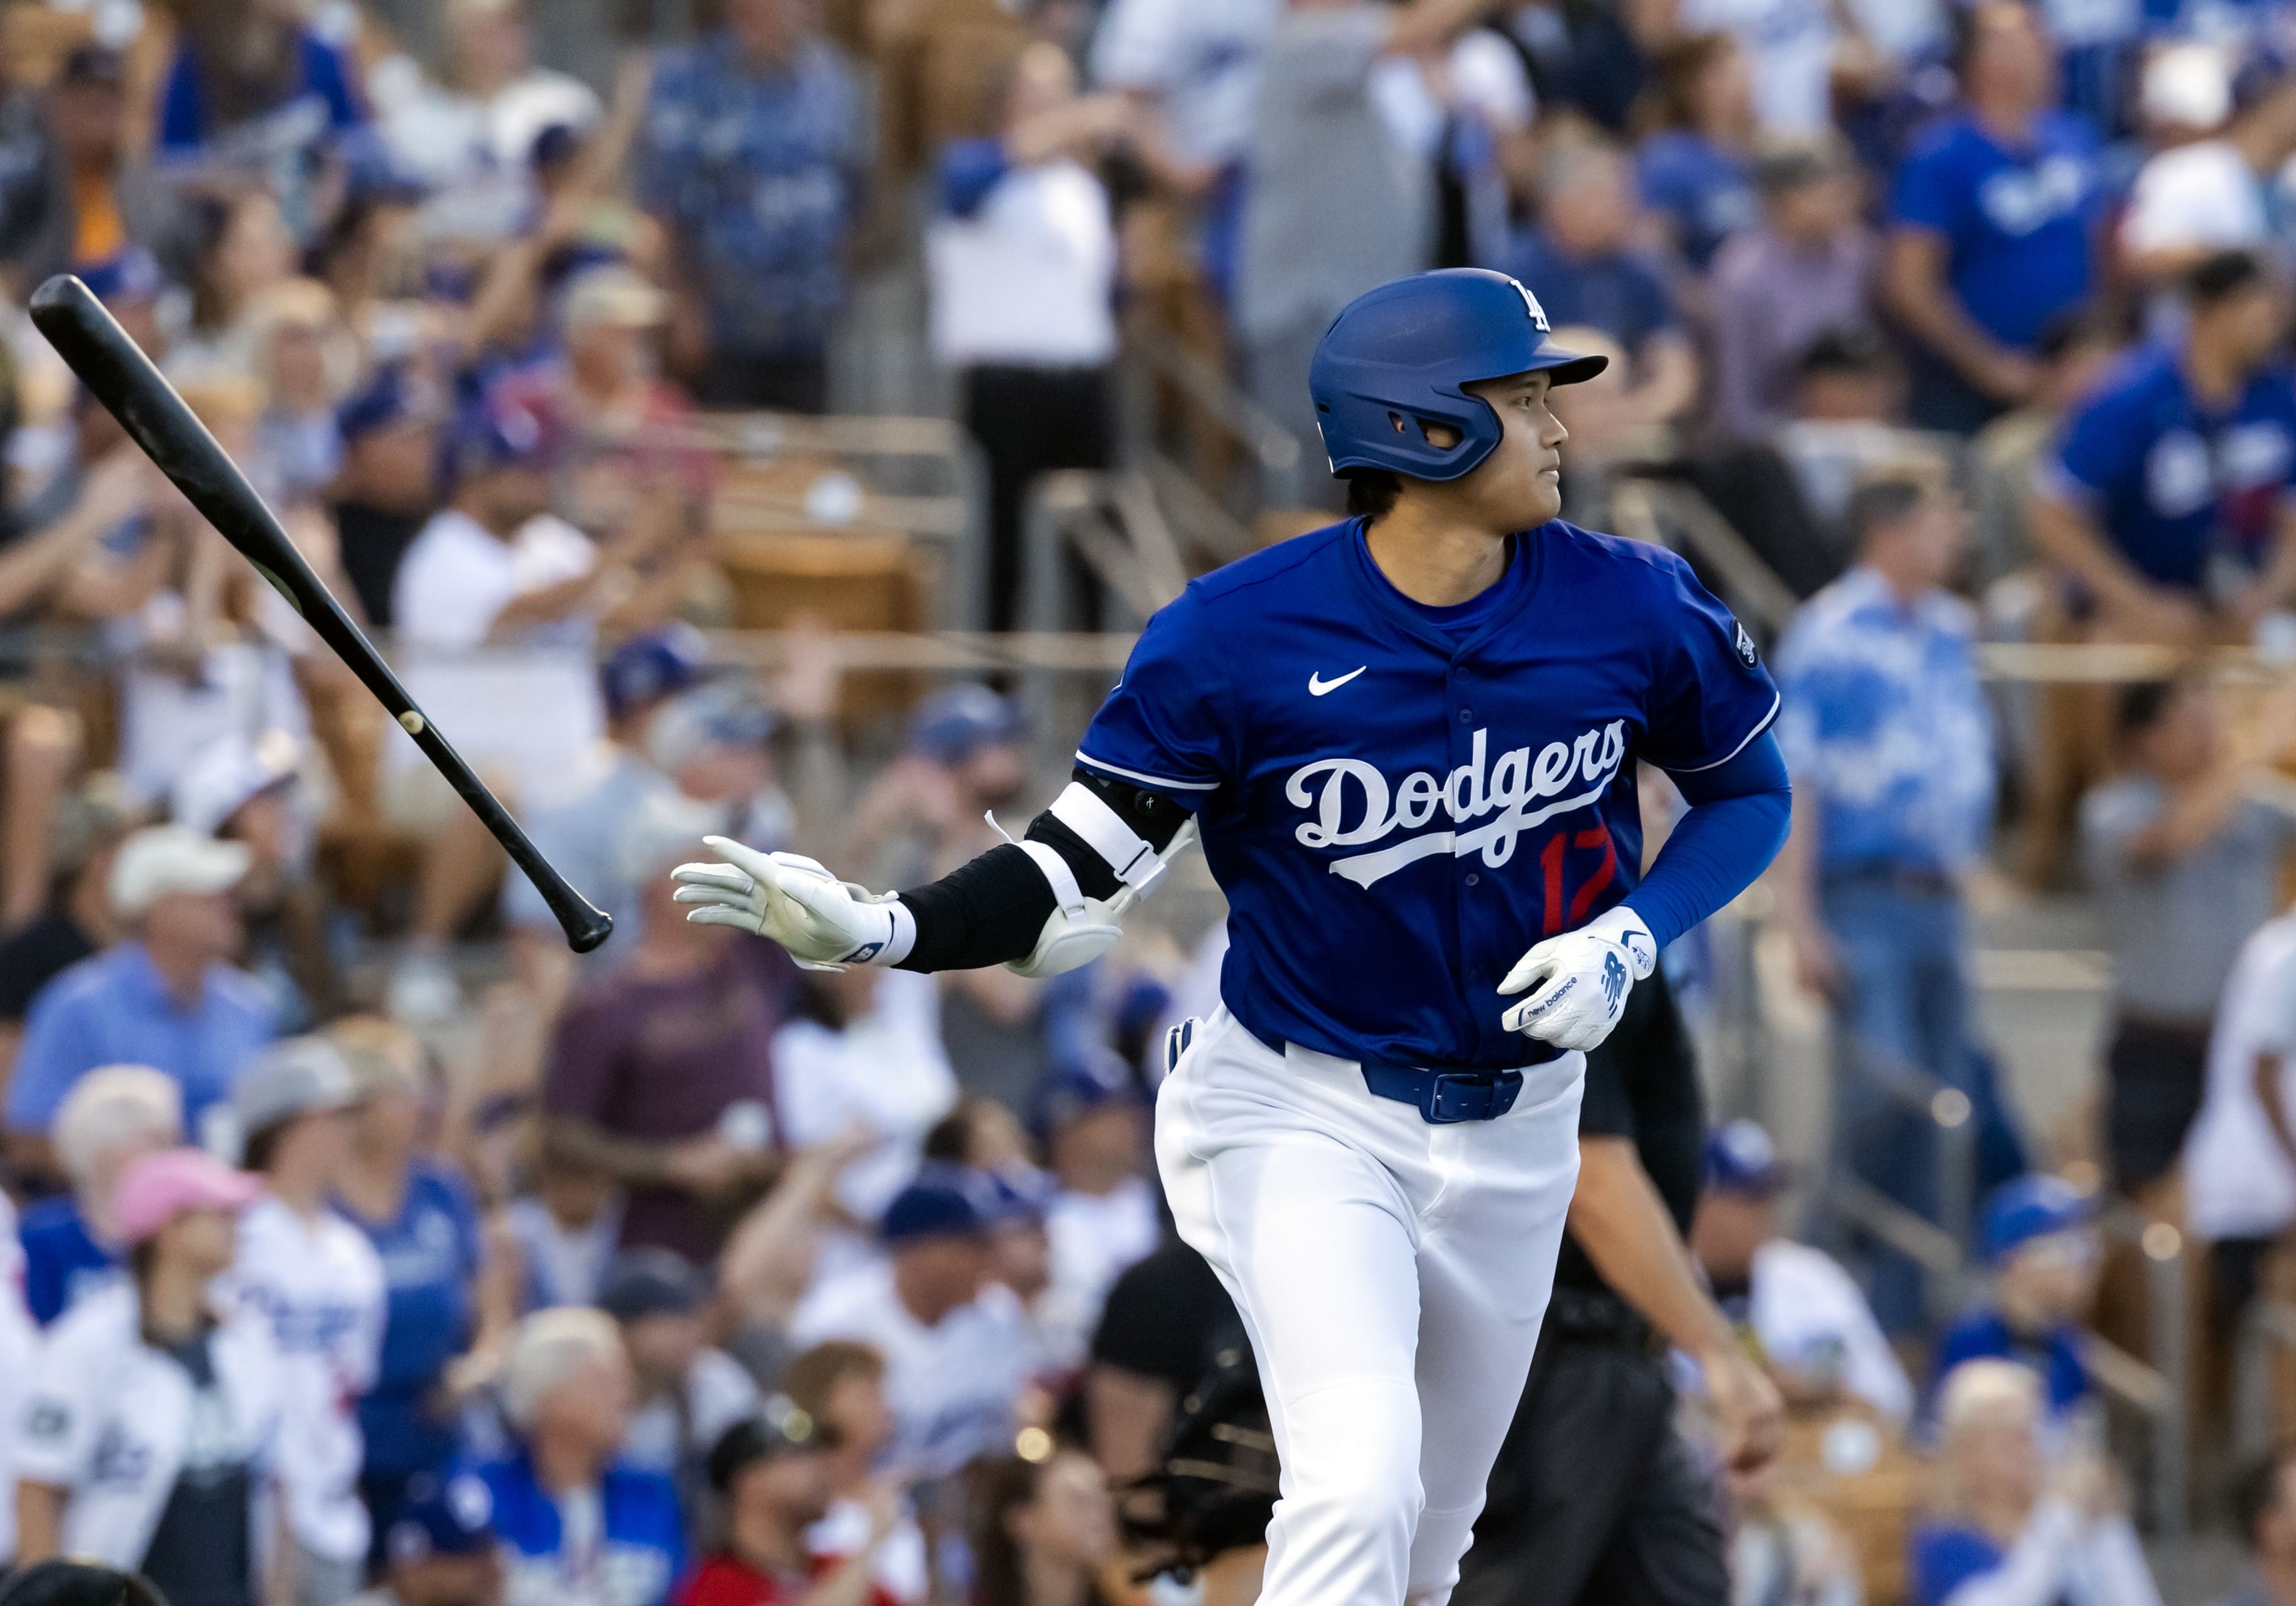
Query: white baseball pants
{"x": 1391, "y": 1275}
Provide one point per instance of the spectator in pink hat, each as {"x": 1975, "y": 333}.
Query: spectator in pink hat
{"x": 151, "y": 1417}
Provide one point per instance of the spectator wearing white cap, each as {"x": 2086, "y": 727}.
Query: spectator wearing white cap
{"x": 320, "y": 1284}
{"x": 151, "y": 1434}
{"x": 165, "y": 996}
{"x": 1814, "y": 1328}
{"x": 71, "y": 1239}
{"x": 468, "y": 138}
{"x": 2205, "y": 188}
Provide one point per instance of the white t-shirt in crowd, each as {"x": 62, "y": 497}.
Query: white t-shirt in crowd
{"x": 1199, "y": 59}
{"x": 1811, "y": 1318}
{"x": 718, "y": 1393}
{"x": 2202, "y": 196}
{"x": 475, "y": 156}
{"x": 899, "y": 1568}
{"x": 1789, "y": 45}
{"x": 320, "y": 1285}
{"x": 2238, "y": 1180}
{"x": 528, "y": 708}
{"x": 1096, "y": 1238}
{"x": 1028, "y": 280}
{"x": 113, "y": 1422}
{"x": 564, "y": 1264}
{"x": 886, "y": 1071}
{"x": 952, "y": 1386}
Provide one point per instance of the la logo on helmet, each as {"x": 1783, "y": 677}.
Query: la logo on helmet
{"x": 1531, "y": 305}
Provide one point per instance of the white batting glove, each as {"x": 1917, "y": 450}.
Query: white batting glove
{"x": 1587, "y": 974}
{"x": 827, "y": 924}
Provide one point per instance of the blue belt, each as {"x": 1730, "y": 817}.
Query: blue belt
{"x": 1441, "y": 1097}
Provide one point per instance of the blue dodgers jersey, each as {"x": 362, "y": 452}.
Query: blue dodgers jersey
{"x": 2180, "y": 490}
{"x": 1396, "y": 815}
{"x": 2016, "y": 222}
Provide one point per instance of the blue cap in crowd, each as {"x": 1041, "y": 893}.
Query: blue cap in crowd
{"x": 645, "y": 1282}
{"x": 724, "y": 713}
{"x": 1741, "y": 1158}
{"x": 130, "y": 276}
{"x": 650, "y": 667}
{"x": 393, "y": 395}
{"x": 439, "y": 1516}
{"x": 2034, "y": 1205}
{"x": 943, "y": 1202}
{"x": 951, "y": 725}
{"x": 488, "y": 436}
{"x": 1077, "y": 1085}
{"x": 1024, "y": 1195}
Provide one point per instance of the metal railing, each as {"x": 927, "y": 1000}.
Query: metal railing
{"x": 1273, "y": 466}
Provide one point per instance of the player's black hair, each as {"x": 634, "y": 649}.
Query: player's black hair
{"x": 1371, "y": 493}
{"x": 2221, "y": 274}
{"x": 2255, "y": 1489}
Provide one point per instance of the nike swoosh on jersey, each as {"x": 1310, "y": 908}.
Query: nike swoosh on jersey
{"x": 1317, "y": 686}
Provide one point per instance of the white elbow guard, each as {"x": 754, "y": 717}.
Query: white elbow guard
{"x": 1080, "y": 929}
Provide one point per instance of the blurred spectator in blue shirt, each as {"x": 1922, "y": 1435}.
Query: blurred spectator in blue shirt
{"x": 1579, "y": 263}
{"x": 1887, "y": 732}
{"x": 2039, "y": 1239}
{"x": 440, "y": 1546}
{"x": 167, "y": 997}
{"x": 752, "y": 155}
{"x": 70, "y": 1245}
{"x": 254, "y": 92}
{"x": 2167, "y": 498}
{"x": 1695, "y": 167}
{"x": 2010, "y": 1527}
{"x": 577, "y": 1524}
{"x": 419, "y": 1213}
{"x": 1991, "y": 222}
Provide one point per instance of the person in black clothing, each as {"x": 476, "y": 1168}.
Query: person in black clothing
{"x": 1596, "y": 1498}
{"x": 77, "y": 921}
{"x": 1165, "y": 1326}
{"x": 389, "y": 487}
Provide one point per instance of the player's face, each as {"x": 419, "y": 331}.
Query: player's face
{"x": 1520, "y": 485}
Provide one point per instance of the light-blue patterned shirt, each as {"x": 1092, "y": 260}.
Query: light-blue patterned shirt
{"x": 1885, "y": 727}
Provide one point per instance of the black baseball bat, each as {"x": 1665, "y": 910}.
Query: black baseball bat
{"x": 118, "y": 374}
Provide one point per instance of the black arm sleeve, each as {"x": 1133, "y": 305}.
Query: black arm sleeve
{"x": 992, "y": 909}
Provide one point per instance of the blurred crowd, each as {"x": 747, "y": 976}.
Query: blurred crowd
{"x": 372, "y": 1246}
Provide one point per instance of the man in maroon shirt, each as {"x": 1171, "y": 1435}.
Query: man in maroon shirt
{"x": 662, "y": 1074}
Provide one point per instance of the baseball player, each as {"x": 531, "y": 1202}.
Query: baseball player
{"x": 1408, "y": 742}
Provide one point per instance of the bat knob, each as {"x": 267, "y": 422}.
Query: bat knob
{"x": 587, "y": 928}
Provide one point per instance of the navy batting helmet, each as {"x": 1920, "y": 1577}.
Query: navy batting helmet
{"x": 1397, "y": 358}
